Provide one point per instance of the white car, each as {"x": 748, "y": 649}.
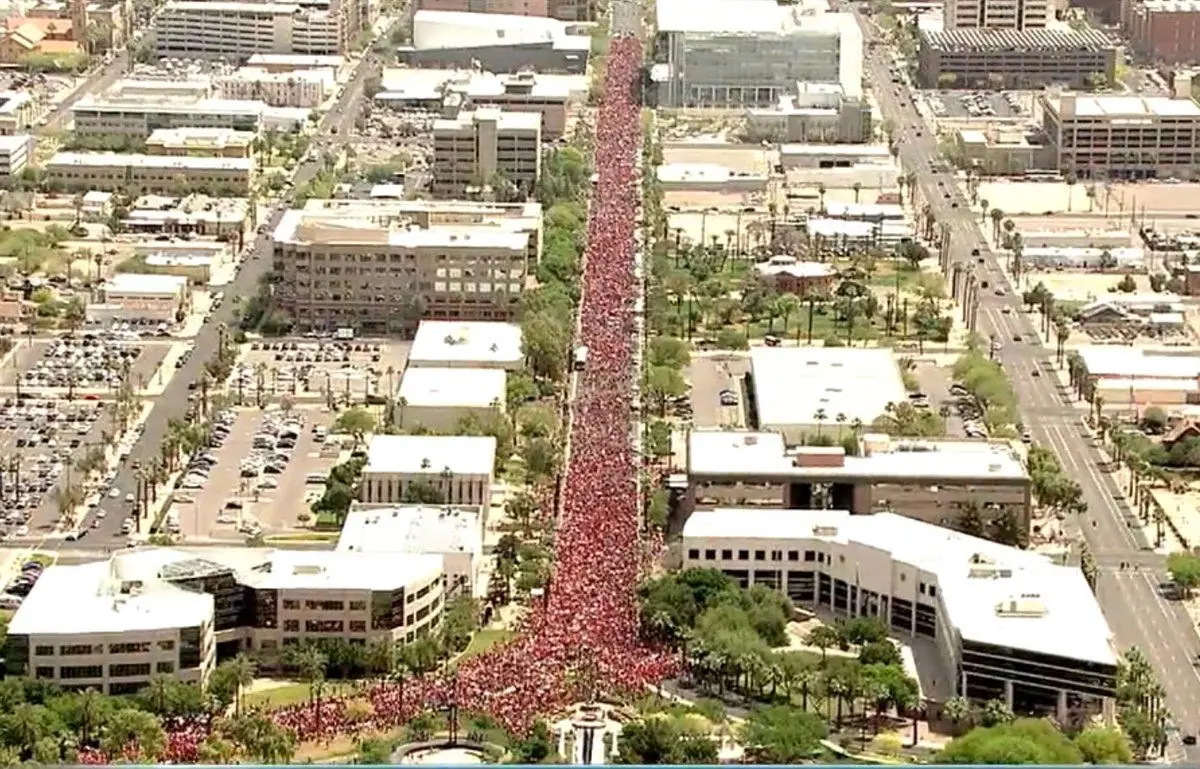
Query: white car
{"x": 100, "y": 514}
{"x": 129, "y": 498}
{"x": 114, "y": 492}
{"x": 22, "y": 531}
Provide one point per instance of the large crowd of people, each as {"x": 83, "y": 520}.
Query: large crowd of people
{"x": 581, "y": 639}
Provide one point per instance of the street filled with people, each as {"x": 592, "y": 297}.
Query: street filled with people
{"x": 581, "y": 637}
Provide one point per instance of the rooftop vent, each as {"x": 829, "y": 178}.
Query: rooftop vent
{"x": 1024, "y": 605}
{"x": 750, "y": 440}
{"x": 825, "y": 531}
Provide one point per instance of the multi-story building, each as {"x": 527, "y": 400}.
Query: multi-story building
{"x": 175, "y": 612}
{"x": 932, "y": 481}
{"x": 15, "y": 152}
{"x": 458, "y": 467}
{"x": 238, "y": 30}
{"x": 1123, "y": 137}
{"x": 1016, "y": 58}
{"x": 372, "y": 267}
{"x": 454, "y": 533}
{"x": 817, "y": 113}
{"x": 451, "y": 91}
{"x": 18, "y": 111}
{"x": 496, "y": 42}
{"x": 466, "y": 344}
{"x": 112, "y": 171}
{"x": 1166, "y": 31}
{"x": 439, "y": 399}
{"x": 201, "y": 143}
{"x": 134, "y": 117}
{"x": 150, "y": 297}
{"x": 510, "y": 7}
{"x": 473, "y": 149}
{"x": 985, "y": 621}
{"x": 117, "y": 634}
{"x": 297, "y": 88}
{"x": 998, "y": 14}
{"x": 729, "y": 55}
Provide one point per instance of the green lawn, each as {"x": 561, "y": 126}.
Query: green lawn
{"x": 888, "y": 277}
{"x": 290, "y": 694}
{"x": 484, "y": 640}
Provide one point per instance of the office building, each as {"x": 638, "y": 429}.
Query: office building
{"x": 842, "y": 388}
{"x": 136, "y": 117}
{"x": 496, "y": 42}
{"x": 290, "y": 62}
{"x": 713, "y": 53}
{"x": 298, "y": 88}
{"x": 18, "y": 111}
{"x": 1018, "y": 59}
{"x": 383, "y": 266}
{"x": 985, "y": 621}
{"x": 15, "y": 153}
{"x": 492, "y": 7}
{"x": 486, "y": 147}
{"x": 453, "y": 91}
{"x": 932, "y": 481}
{"x": 85, "y": 627}
{"x": 239, "y": 30}
{"x": 453, "y": 533}
{"x": 998, "y": 14}
{"x": 459, "y": 467}
{"x": 193, "y": 215}
{"x": 439, "y": 399}
{"x": 465, "y": 344}
{"x": 113, "y": 172}
{"x": 1166, "y": 31}
{"x": 201, "y": 143}
{"x": 137, "y": 296}
{"x": 817, "y": 114}
{"x": 1123, "y": 137}
{"x": 175, "y": 612}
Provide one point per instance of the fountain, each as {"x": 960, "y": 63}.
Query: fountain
{"x": 588, "y": 734}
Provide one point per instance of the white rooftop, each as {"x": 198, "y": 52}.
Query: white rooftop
{"x": 1071, "y": 625}
{"x": 703, "y": 173}
{"x": 430, "y": 84}
{"x": 1134, "y": 106}
{"x": 838, "y": 150}
{"x": 448, "y": 341}
{"x": 322, "y": 569}
{"x": 724, "y": 453}
{"x": 85, "y": 598}
{"x": 504, "y": 120}
{"x": 353, "y": 226}
{"x": 180, "y": 162}
{"x": 167, "y": 106}
{"x": 425, "y": 386}
{"x": 140, "y": 283}
{"x": 763, "y": 17}
{"x": 792, "y": 384}
{"x": 787, "y": 265}
{"x": 459, "y": 29}
{"x": 412, "y": 529}
{"x": 1137, "y": 363}
{"x": 15, "y": 143}
{"x": 431, "y": 454}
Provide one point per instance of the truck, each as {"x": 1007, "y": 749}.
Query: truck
{"x": 579, "y": 359}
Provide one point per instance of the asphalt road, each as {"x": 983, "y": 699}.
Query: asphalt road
{"x": 97, "y": 82}
{"x": 172, "y": 403}
{"x": 1138, "y": 614}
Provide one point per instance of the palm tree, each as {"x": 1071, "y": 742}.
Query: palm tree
{"x": 983, "y": 206}
{"x": 841, "y": 420}
{"x": 819, "y": 417}
{"x": 244, "y": 669}
{"x": 312, "y": 664}
{"x": 821, "y": 190}
{"x": 997, "y": 217}
{"x": 858, "y": 191}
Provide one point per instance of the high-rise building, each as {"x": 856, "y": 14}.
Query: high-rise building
{"x": 997, "y": 14}
{"x": 473, "y": 149}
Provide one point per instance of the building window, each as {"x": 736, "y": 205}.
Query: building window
{"x": 793, "y": 555}
{"x": 358, "y": 626}
{"x": 81, "y": 671}
{"x": 743, "y": 555}
{"x": 166, "y": 646}
{"x": 694, "y": 554}
{"x": 290, "y": 604}
{"x": 291, "y": 626}
{"x": 324, "y": 605}
{"x": 727, "y": 555}
{"x": 710, "y": 555}
{"x": 44, "y": 651}
{"x": 77, "y": 649}
{"x": 129, "y": 648}
{"x": 933, "y": 591}
{"x": 44, "y": 672}
{"x": 810, "y": 555}
{"x": 165, "y": 667}
{"x": 358, "y": 606}
{"x": 129, "y": 671}
{"x": 776, "y": 555}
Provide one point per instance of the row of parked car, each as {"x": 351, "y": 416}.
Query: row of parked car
{"x": 82, "y": 362}
{"x": 22, "y": 585}
{"x": 195, "y": 475}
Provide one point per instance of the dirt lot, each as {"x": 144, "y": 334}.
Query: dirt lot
{"x": 1081, "y": 286}
{"x": 1036, "y": 198}
{"x": 208, "y": 514}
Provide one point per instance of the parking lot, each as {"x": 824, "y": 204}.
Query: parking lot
{"x": 713, "y": 379}
{"x": 977, "y": 104}
{"x": 255, "y": 475}
{"x": 308, "y": 369}
{"x": 41, "y": 442}
{"x": 935, "y": 382}
{"x": 91, "y": 364}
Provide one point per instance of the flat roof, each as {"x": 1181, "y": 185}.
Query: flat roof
{"x": 1027, "y": 41}
{"x": 748, "y": 17}
{"x": 308, "y": 226}
{"x": 425, "y": 386}
{"x": 448, "y": 341}
{"x": 231, "y": 6}
{"x": 1137, "y": 362}
{"x": 323, "y": 569}
{"x": 822, "y": 150}
{"x": 1087, "y": 105}
{"x": 412, "y": 529}
{"x": 792, "y": 384}
{"x": 181, "y": 162}
{"x": 504, "y": 119}
{"x": 86, "y": 598}
{"x": 431, "y": 454}
{"x": 295, "y": 59}
{"x": 431, "y": 84}
{"x": 143, "y": 283}
{"x": 14, "y": 142}
{"x": 745, "y": 453}
{"x": 171, "y": 106}
{"x": 975, "y": 576}
{"x": 206, "y": 136}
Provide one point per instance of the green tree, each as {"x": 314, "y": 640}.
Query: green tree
{"x": 1027, "y": 741}
{"x": 1102, "y": 745}
{"x": 782, "y": 735}
{"x": 1184, "y": 568}
{"x": 355, "y": 421}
